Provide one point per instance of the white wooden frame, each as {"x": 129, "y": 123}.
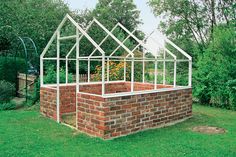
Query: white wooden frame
{"x": 80, "y": 33}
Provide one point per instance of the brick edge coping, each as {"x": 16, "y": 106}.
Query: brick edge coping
{"x": 142, "y": 92}
{"x": 113, "y": 95}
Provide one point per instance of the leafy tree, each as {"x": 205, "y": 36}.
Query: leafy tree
{"x": 204, "y": 28}
{"x": 214, "y": 79}
{"x": 191, "y": 22}
{"x": 109, "y": 13}
{"x": 35, "y": 19}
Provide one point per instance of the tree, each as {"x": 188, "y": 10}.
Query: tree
{"x": 109, "y": 13}
{"x": 35, "y": 19}
{"x": 215, "y": 77}
{"x": 193, "y": 20}
{"x": 205, "y": 29}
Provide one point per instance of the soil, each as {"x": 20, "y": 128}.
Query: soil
{"x": 69, "y": 119}
{"x": 208, "y": 130}
{"x": 19, "y": 102}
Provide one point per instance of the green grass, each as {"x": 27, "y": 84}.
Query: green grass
{"x": 27, "y": 133}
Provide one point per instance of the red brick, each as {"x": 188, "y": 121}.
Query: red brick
{"x": 113, "y": 117}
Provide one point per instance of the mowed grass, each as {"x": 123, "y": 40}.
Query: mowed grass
{"x": 27, "y": 133}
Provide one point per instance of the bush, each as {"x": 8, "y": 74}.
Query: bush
{"x": 214, "y": 80}
{"x": 7, "y": 106}
{"x": 7, "y": 91}
{"x": 231, "y": 87}
{"x": 9, "y": 66}
{"x": 34, "y": 95}
{"x": 116, "y": 71}
{"x": 51, "y": 76}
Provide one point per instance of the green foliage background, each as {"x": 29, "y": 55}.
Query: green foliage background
{"x": 206, "y": 30}
{"x": 9, "y": 66}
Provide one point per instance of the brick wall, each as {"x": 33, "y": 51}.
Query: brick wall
{"x": 48, "y": 101}
{"x": 109, "y": 88}
{"x": 91, "y": 114}
{"x": 119, "y": 87}
{"x": 118, "y": 116}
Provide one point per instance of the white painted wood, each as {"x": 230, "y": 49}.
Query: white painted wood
{"x": 58, "y": 77}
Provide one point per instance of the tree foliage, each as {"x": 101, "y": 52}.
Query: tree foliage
{"x": 7, "y": 91}
{"x": 215, "y": 75}
{"x": 193, "y": 21}
{"x": 205, "y": 29}
{"x": 35, "y": 19}
{"x": 109, "y": 13}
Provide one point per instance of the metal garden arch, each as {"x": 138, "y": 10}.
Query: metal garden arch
{"x": 29, "y": 47}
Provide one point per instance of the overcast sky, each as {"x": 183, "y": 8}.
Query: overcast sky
{"x": 149, "y": 21}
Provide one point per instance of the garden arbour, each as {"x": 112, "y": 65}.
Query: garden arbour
{"x": 93, "y": 97}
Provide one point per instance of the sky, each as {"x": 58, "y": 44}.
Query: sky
{"x": 150, "y": 22}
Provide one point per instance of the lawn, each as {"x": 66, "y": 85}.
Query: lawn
{"x": 27, "y": 133}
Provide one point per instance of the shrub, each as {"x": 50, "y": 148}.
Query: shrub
{"x": 7, "y": 106}
{"x": 7, "y": 91}
{"x": 116, "y": 71}
{"x": 214, "y": 80}
{"x": 231, "y": 87}
{"x": 51, "y": 76}
{"x": 34, "y": 95}
{"x": 9, "y": 66}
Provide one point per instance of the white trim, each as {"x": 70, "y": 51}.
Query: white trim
{"x": 155, "y": 77}
{"x": 71, "y": 50}
{"x": 102, "y": 41}
{"x": 68, "y": 125}
{"x": 47, "y": 47}
{"x": 85, "y": 34}
{"x": 68, "y": 37}
{"x": 190, "y": 74}
{"x": 143, "y": 68}
{"x": 53, "y": 37}
{"x": 81, "y": 83}
{"x": 178, "y": 48}
{"x": 175, "y": 70}
{"x": 111, "y": 35}
{"x": 120, "y": 45}
{"x": 137, "y": 92}
{"x": 129, "y": 58}
{"x": 125, "y": 69}
{"x": 144, "y": 92}
{"x": 103, "y": 74}
{"x": 132, "y": 75}
{"x": 58, "y": 77}
{"x": 89, "y": 61}
{"x": 164, "y": 68}
{"x": 108, "y": 70}
{"x": 77, "y": 77}
{"x": 135, "y": 38}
